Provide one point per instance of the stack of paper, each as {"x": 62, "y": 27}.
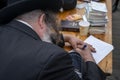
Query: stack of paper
{"x": 96, "y": 14}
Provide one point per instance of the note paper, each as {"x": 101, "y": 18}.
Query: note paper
{"x": 102, "y": 48}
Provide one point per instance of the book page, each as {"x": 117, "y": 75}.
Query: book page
{"x": 102, "y": 48}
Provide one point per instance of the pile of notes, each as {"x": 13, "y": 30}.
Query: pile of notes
{"x": 96, "y": 13}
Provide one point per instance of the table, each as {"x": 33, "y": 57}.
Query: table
{"x": 106, "y": 63}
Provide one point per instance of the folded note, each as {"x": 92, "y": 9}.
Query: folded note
{"x": 102, "y": 48}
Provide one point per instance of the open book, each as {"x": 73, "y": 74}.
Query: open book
{"x": 102, "y": 48}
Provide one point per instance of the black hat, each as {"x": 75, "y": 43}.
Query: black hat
{"x": 15, "y": 8}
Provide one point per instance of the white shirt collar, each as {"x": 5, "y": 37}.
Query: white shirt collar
{"x": 25, "y": 23}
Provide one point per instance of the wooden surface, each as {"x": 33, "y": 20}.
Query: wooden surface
{"x": 106, "y": 63}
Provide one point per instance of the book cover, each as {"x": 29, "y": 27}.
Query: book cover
{"x": 69, "y": 25}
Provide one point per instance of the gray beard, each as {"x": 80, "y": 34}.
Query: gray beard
{"x": 50, "y": 37}
{"x": 46, "y": 37}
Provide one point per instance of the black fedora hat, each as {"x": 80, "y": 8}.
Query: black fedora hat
{"x": 18, "y": 7}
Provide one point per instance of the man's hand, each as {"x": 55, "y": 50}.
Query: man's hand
{"x": 85, "y": 52}
{"x": 76, "y": 42}
{"x": 78, "y": 45}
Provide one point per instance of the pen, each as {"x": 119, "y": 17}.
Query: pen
{"x": 84, "y": 47}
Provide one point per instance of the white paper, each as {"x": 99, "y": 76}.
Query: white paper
{"x": 98, "y": 6}
{"x": 102, "y": 48}
{"x": 81, "y": 5}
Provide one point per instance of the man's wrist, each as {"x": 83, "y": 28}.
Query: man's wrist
{"x": 67, "y": 38}
{"x": 89, "y": 59}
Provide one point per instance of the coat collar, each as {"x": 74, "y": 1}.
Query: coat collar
{"x": 24, "y": 28}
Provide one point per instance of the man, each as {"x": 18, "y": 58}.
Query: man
{"x": 29, "y": 34}
{"x": 2, "y": 3}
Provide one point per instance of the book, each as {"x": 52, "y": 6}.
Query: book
{"x": 69, "y": 25}
{"x": 97, "y": 13}
{"x": 97, "y": 17}
{"x": 97, "y": 24}
{"x": 97, "y": 30}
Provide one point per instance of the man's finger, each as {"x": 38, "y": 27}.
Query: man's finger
{"x": 78, "y": 50}
{"x": 80, "y": 42}
{"x": 80, "y": 46}
{"x": 91, "y": 48}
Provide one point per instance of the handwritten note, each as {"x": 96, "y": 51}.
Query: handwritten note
{"x": 102, "y": 48}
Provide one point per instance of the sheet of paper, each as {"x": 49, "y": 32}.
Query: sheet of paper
{"x": 98, "y": 6}
{"x": 102, "y": 48}
{"x": 81, "y": 5}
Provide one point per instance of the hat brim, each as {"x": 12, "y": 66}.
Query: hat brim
{"x": 10, "y": 12}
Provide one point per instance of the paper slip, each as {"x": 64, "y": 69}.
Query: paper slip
{"x": 102, "y": 48}
{"x": 98, "y": 6}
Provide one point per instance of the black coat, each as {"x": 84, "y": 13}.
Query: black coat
{"x": 23, "y": 56}
{"x": 3, "y": 3}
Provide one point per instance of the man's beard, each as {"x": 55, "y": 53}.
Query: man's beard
{"x": 51, "y": 36}
{"x": 46, "y": 37}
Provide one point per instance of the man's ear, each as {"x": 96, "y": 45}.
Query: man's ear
{"x": 41, "y": 22}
